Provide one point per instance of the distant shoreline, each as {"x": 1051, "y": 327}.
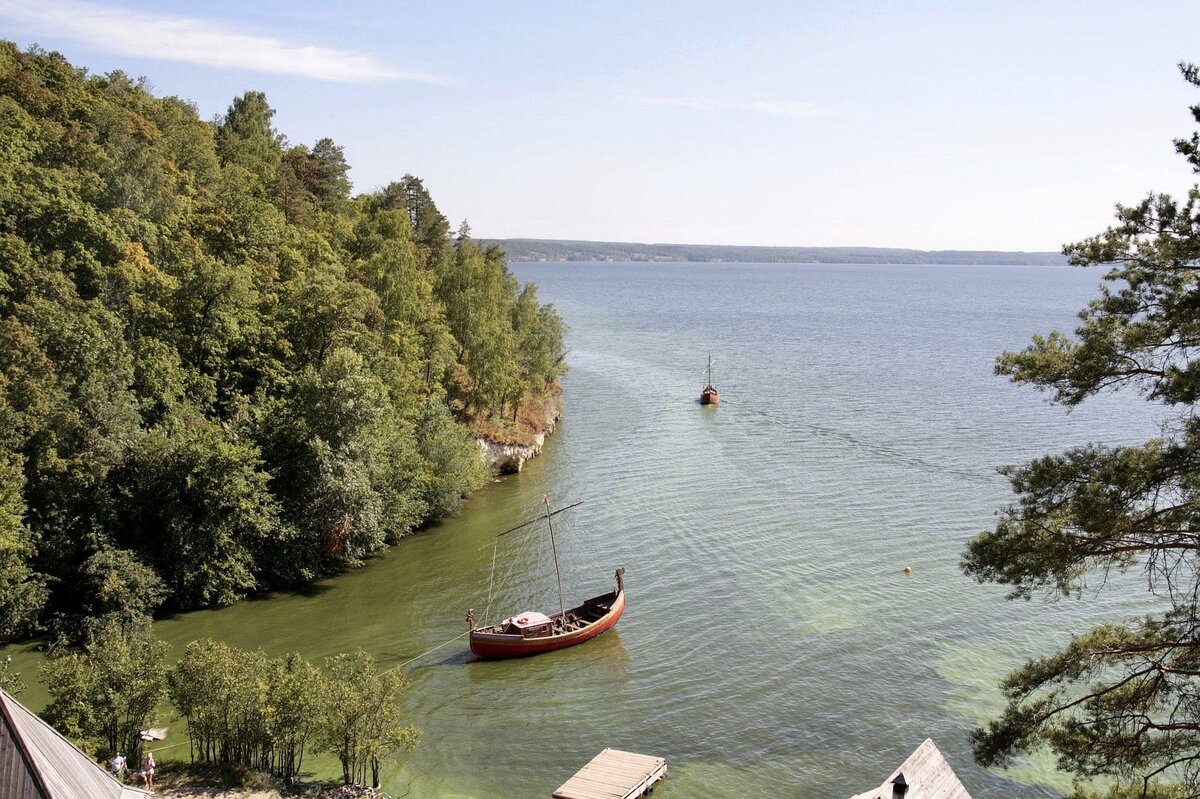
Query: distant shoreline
{"x": 584, "y": 251}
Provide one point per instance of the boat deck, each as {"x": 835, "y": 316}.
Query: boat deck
{"x": 614, "y": 774}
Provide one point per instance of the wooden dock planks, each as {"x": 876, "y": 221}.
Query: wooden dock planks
{"x": 614, "y": 774}
{"x": 928, "y": 775}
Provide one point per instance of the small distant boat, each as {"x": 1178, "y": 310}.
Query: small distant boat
{"x": 708, "y": 394}
{"x": 533, "y": 632}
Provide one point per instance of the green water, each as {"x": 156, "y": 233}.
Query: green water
{"x": 772, "y": 643}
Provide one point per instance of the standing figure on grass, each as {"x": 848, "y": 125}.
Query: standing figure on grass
{"x": 147, "y": 770}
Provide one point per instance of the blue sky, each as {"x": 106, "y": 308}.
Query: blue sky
{"x": 935, "y": 125}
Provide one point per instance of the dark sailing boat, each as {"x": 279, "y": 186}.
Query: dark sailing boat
{"x": 708, "y": 394}
{"x": 533, "y": 632}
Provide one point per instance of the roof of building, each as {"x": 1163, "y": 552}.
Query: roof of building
{"x": 37, "y": 761}
{"x": 927, "y": 774}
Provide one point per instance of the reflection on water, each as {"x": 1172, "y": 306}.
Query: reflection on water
{"x": 604, "y": 657}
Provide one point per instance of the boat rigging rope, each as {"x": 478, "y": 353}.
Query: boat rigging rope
{"x": 491, "y": 596}
{"x": 487, "y": 612}
{"x": 498, "y": 587}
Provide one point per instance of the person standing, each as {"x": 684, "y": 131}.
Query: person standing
{"x": 147, "y": 771}
{"x": 116, "y": 765}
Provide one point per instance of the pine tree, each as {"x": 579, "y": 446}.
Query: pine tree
{"x": 1121, "y": 700}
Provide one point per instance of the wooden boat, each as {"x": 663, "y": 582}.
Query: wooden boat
{"x": 708, "y": 394}
{"x": 533, "y": 632}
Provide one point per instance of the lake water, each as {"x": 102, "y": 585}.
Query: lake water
{"x": 773, "y": 645}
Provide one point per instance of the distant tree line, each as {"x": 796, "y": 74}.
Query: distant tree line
{"x": 564, "y": 250}
{"x": 219, "y": 371}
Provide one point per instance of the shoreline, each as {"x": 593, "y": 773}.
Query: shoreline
{"x": 509, "y": 457}
{"x": 532, "y": 250}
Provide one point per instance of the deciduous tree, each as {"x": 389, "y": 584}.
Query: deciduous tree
{"x": 212, "y": 357}
{"x": 362, "y": 720}
{"x": 109, "y": 692}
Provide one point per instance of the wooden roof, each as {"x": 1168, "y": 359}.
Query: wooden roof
{"x": 928, "y": 775}
{"x": 36, "y": 762}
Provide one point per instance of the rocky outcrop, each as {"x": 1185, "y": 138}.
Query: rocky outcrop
{"x": 508, "y": 457}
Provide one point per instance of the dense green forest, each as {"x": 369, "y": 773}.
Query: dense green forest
{"x": 219, "y": 371}
{"x": 564, "y": 250}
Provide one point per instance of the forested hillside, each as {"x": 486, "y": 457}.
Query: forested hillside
{"x": 219, "y": 372}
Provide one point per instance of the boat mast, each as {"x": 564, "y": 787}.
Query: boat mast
{"x": 710, "y": 369}
{"x": 562, "y": 606}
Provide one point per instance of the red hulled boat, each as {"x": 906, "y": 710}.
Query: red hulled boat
{"x": 533, "y": 632}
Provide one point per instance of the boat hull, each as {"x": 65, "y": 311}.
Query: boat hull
{"x": 495, "y": 645}
{"x": 709, "y": 396}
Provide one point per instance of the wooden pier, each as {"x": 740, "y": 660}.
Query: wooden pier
{"x": 614, "y": 774}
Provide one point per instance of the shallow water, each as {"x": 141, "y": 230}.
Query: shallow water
{"x": 772, "y": 644}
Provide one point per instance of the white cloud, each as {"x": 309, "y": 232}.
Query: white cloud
{"x": 198, "y": 41}
{"x": 782, "y": 108}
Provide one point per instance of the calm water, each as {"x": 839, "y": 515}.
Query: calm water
{"x": 772, "y": 645}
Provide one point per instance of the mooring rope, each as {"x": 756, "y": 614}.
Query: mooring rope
{"x": 426, "y": 652}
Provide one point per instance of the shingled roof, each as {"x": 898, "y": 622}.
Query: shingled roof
{"x": 36, "y": 762}
{"x": 927, "y": 775}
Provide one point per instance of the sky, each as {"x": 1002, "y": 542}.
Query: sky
{"x": 931, "y": 125}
